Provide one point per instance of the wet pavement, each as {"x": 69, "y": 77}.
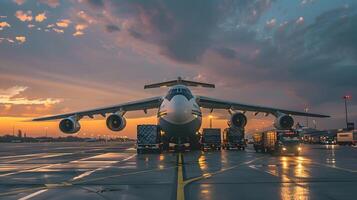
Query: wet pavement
{"x": 115, "y": 171}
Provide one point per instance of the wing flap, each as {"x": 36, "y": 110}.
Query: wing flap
{"x": 211, "y": 103}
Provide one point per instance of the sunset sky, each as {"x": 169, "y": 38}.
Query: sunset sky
{"x": 62, "y": 56}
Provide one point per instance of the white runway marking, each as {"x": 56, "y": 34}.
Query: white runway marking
{"x": 33, "y": 194}
{"x": 19, "y": 156}
{"x": 87, "y": 173}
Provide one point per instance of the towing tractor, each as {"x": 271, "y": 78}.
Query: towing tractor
{"x": 211, "y": 139}
{"x": 277, "y": 142}
{"x": 233, "y": 138}
{"x": 148, "y": 138}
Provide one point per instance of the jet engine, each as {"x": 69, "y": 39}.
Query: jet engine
{"x": 69, "y": 125}
{"x": 116, "y": 122}
{"x": 238, "y": 120}
{"x": 284, "y": 122}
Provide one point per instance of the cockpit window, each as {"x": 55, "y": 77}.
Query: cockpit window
{"x": 179, "y": 91}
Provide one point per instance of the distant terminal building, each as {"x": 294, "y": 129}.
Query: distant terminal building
{"x": 314, "y": 136}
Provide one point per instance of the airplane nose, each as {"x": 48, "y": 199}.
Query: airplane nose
{"x": 179, "y": 111}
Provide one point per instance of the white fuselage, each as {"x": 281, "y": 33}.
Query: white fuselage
{"x": 179, "y": 116}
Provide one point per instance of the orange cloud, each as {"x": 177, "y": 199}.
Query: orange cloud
{"x": 8, "y": 96}
{"x": 84, "y": 17}
{"x": 78, "y": 33}
{"x": 21, "y": 39}
{"x": 24, "y": 16}
{"x": 64, "y": 23}
{"x": 79, "y": 29}
{"x": 4, "y": 25}
{"x": 40, "y": 17}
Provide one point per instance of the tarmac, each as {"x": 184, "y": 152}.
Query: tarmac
{"x": 114, "y": 171}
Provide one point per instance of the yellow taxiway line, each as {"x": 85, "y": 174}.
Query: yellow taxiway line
{"x": 180, "y": 192}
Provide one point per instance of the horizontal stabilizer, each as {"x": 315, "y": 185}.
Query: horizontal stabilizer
{"x": 179, "y": 81}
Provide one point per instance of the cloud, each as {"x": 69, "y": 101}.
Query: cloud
{"x": 21, "y": 39}
{"x": 271, "y": 23}
{"x": 85, "y": 17}
{"x": 300, "y": 20}
{"x": 58, "y": 30}
{"x": 4, "y": 25}
{"x": 183, "y": 30}
{"x": 226, "y": 52}
{"x": 19, "y": 2}
{"x": 10, "y": 40}
{"x": 50, "y": 3}
{"x": 96, "y": 3}
{"x": 64, "y": 23}
{"x": 78, "y": 33}
{"x": 24, "y": 16}
{"x": 304, "y": 2}
{"x": 315, "y": 61}
{"x": 112, "y": 28}
{"x": 40, "y": 17}
{"x": 79, "y": 29}
{"x": 10, "y": 96}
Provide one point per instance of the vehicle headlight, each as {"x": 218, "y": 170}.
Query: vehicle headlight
{"x": 299, "y": 148}
{"x": 284, "y": 148}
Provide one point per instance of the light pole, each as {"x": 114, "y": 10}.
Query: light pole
{"x": 46, "y": 128}
{"x": 346, "y": 97}
{"x": 307, "y": 118}
{"x": 315, "y": 123}
{"x": 210, "y": 120}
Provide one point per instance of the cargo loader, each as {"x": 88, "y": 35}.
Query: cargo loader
{"x": 148, "y": 138}
{"x": 277, "y": 142}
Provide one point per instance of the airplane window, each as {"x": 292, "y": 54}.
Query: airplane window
{"x": 179, "y": 91}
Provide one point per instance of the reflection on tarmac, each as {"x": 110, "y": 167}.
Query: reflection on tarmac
{"x": 115, "y": 171}
{"x": 298, "y": 188}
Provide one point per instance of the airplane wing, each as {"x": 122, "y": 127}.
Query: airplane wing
{"x": 211, "y": 103}
{"x": 130, "y": 106}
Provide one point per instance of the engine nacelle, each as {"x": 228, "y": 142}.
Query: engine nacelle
{"x": 116, "y": 122}
{"x": 284, "y": 122}
{"x": 69, "y": 125}
{"x": 238, "y": 120}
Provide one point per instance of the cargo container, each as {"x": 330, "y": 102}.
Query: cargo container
{"x": 277, "y": 142}
{"x": 233, "y": 138}
{"x": 211, "y": 139}
{"x": 148, "y": 138}
{"x": 347, "y": 138}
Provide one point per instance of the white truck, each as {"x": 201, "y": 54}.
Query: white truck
{"x": 347, "y": 138}
{"x": 148, "y": 138}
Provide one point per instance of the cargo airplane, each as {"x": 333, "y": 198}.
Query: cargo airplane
{"x": 179, "y": 112}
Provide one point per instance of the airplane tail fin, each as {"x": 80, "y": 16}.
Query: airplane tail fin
{"x": 179, "y": 81}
